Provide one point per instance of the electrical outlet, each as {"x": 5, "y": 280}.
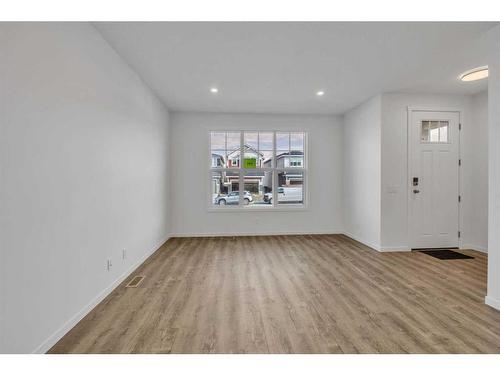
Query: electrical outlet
{"x": 109, "y": 265}
{"x": 124, "y": 254}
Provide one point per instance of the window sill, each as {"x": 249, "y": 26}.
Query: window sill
{"x": 297, "y": 207}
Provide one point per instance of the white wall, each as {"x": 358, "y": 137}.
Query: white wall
{"x": 84, "y": 174}
{"x": 361, "y": 172}
{"x": 475, "y": 179}
{"x": 493, "y": 297}
{"x": 190, "y": 176}
{"x": 376, "y": 168}
{"x": 395, "y": 164}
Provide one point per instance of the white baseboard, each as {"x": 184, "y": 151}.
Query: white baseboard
{"x": 394, "y": 249}
{"x": 241, "y": 234}
{"x": 66, "y": 327}
{"x": 481, "y": 249}
{"x": 493, "y": 302}
{"x": 374, "y": 246}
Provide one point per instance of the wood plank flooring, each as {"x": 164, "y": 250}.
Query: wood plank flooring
{"x": 292, "y": 294}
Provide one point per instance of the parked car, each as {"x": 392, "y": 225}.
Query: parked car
{"x": 286, "y": 195}
{"x": 234, "y": 198}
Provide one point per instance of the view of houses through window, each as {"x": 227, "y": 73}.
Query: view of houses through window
{"x": 268, "y": 165}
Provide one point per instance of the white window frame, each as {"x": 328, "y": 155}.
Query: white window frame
{"x": 438, "y": 142}
{"x": 273, "y": 169}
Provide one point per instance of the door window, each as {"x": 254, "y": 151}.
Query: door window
{"x": 434, "y": 131}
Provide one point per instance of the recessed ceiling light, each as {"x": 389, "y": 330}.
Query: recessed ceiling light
{"x": 474, "y": 74}
{"x": 214, "y": 90}
{"x": 320, "y": 93}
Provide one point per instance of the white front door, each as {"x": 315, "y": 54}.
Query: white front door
{"x": 434, "y": 144}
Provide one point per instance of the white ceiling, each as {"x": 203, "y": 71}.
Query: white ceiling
{"x": 277, "y": 67}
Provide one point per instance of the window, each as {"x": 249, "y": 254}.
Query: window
{"x": 434, "y": 131}
{"x": 295, "y": 162}
{"x": 268, "y": 165}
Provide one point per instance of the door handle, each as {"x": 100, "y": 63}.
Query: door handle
{"x": 416, "y": 191}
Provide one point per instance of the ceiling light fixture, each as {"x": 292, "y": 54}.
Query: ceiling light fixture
{"x": 320, "y": 93}
{"x": 474, "y": 74}
{"x": 214, "y": 90}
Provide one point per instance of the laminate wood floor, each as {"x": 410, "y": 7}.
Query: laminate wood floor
{"x": 292, "y": 294}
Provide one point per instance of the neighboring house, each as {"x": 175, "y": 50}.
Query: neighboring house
{"x": 225, "y": 183}
{"x": 217, "y": 186}
{"x": 292, "y": 159}
{"x": 233, "y": 158}
{"x": 287, "y": 159}
{"x": 217, "y": 160}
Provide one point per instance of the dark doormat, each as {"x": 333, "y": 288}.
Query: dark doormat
{"x": 446, "y": 254}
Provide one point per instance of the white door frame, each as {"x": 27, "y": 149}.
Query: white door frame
{"x": 411, "y": 110}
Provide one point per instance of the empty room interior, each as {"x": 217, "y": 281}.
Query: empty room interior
{"x": 250, "y": 187}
